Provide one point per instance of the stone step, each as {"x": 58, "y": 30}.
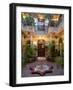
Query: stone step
{"x": 41, "y": 58}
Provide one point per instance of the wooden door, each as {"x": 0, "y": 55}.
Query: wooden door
{"x": 41, "y": 48}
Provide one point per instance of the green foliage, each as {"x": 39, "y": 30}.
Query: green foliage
{"x": 51, "y": 49}
{"x": 29, "y": 20}
{"x": 28, "y": 55}
{"x": 59, "y": 61}
{"x": 29, "y": 51}
{"x": 61, "y": 47}
{"x": 56, "y": 53}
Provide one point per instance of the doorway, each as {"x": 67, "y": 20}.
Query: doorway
{"x": 41, "y": 48}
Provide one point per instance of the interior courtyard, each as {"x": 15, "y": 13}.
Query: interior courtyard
{"x": 42, "y": 44}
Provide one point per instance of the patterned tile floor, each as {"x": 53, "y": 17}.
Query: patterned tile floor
{"x": 26, "y": 72}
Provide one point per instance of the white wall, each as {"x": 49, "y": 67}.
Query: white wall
{"x": 4, "y": 44}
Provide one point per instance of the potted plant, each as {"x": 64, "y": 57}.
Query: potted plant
{"x": 29, "y": 53}
{"x": 51, "y": 51}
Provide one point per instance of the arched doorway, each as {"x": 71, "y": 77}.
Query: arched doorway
{"x": 41, "y": 48}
